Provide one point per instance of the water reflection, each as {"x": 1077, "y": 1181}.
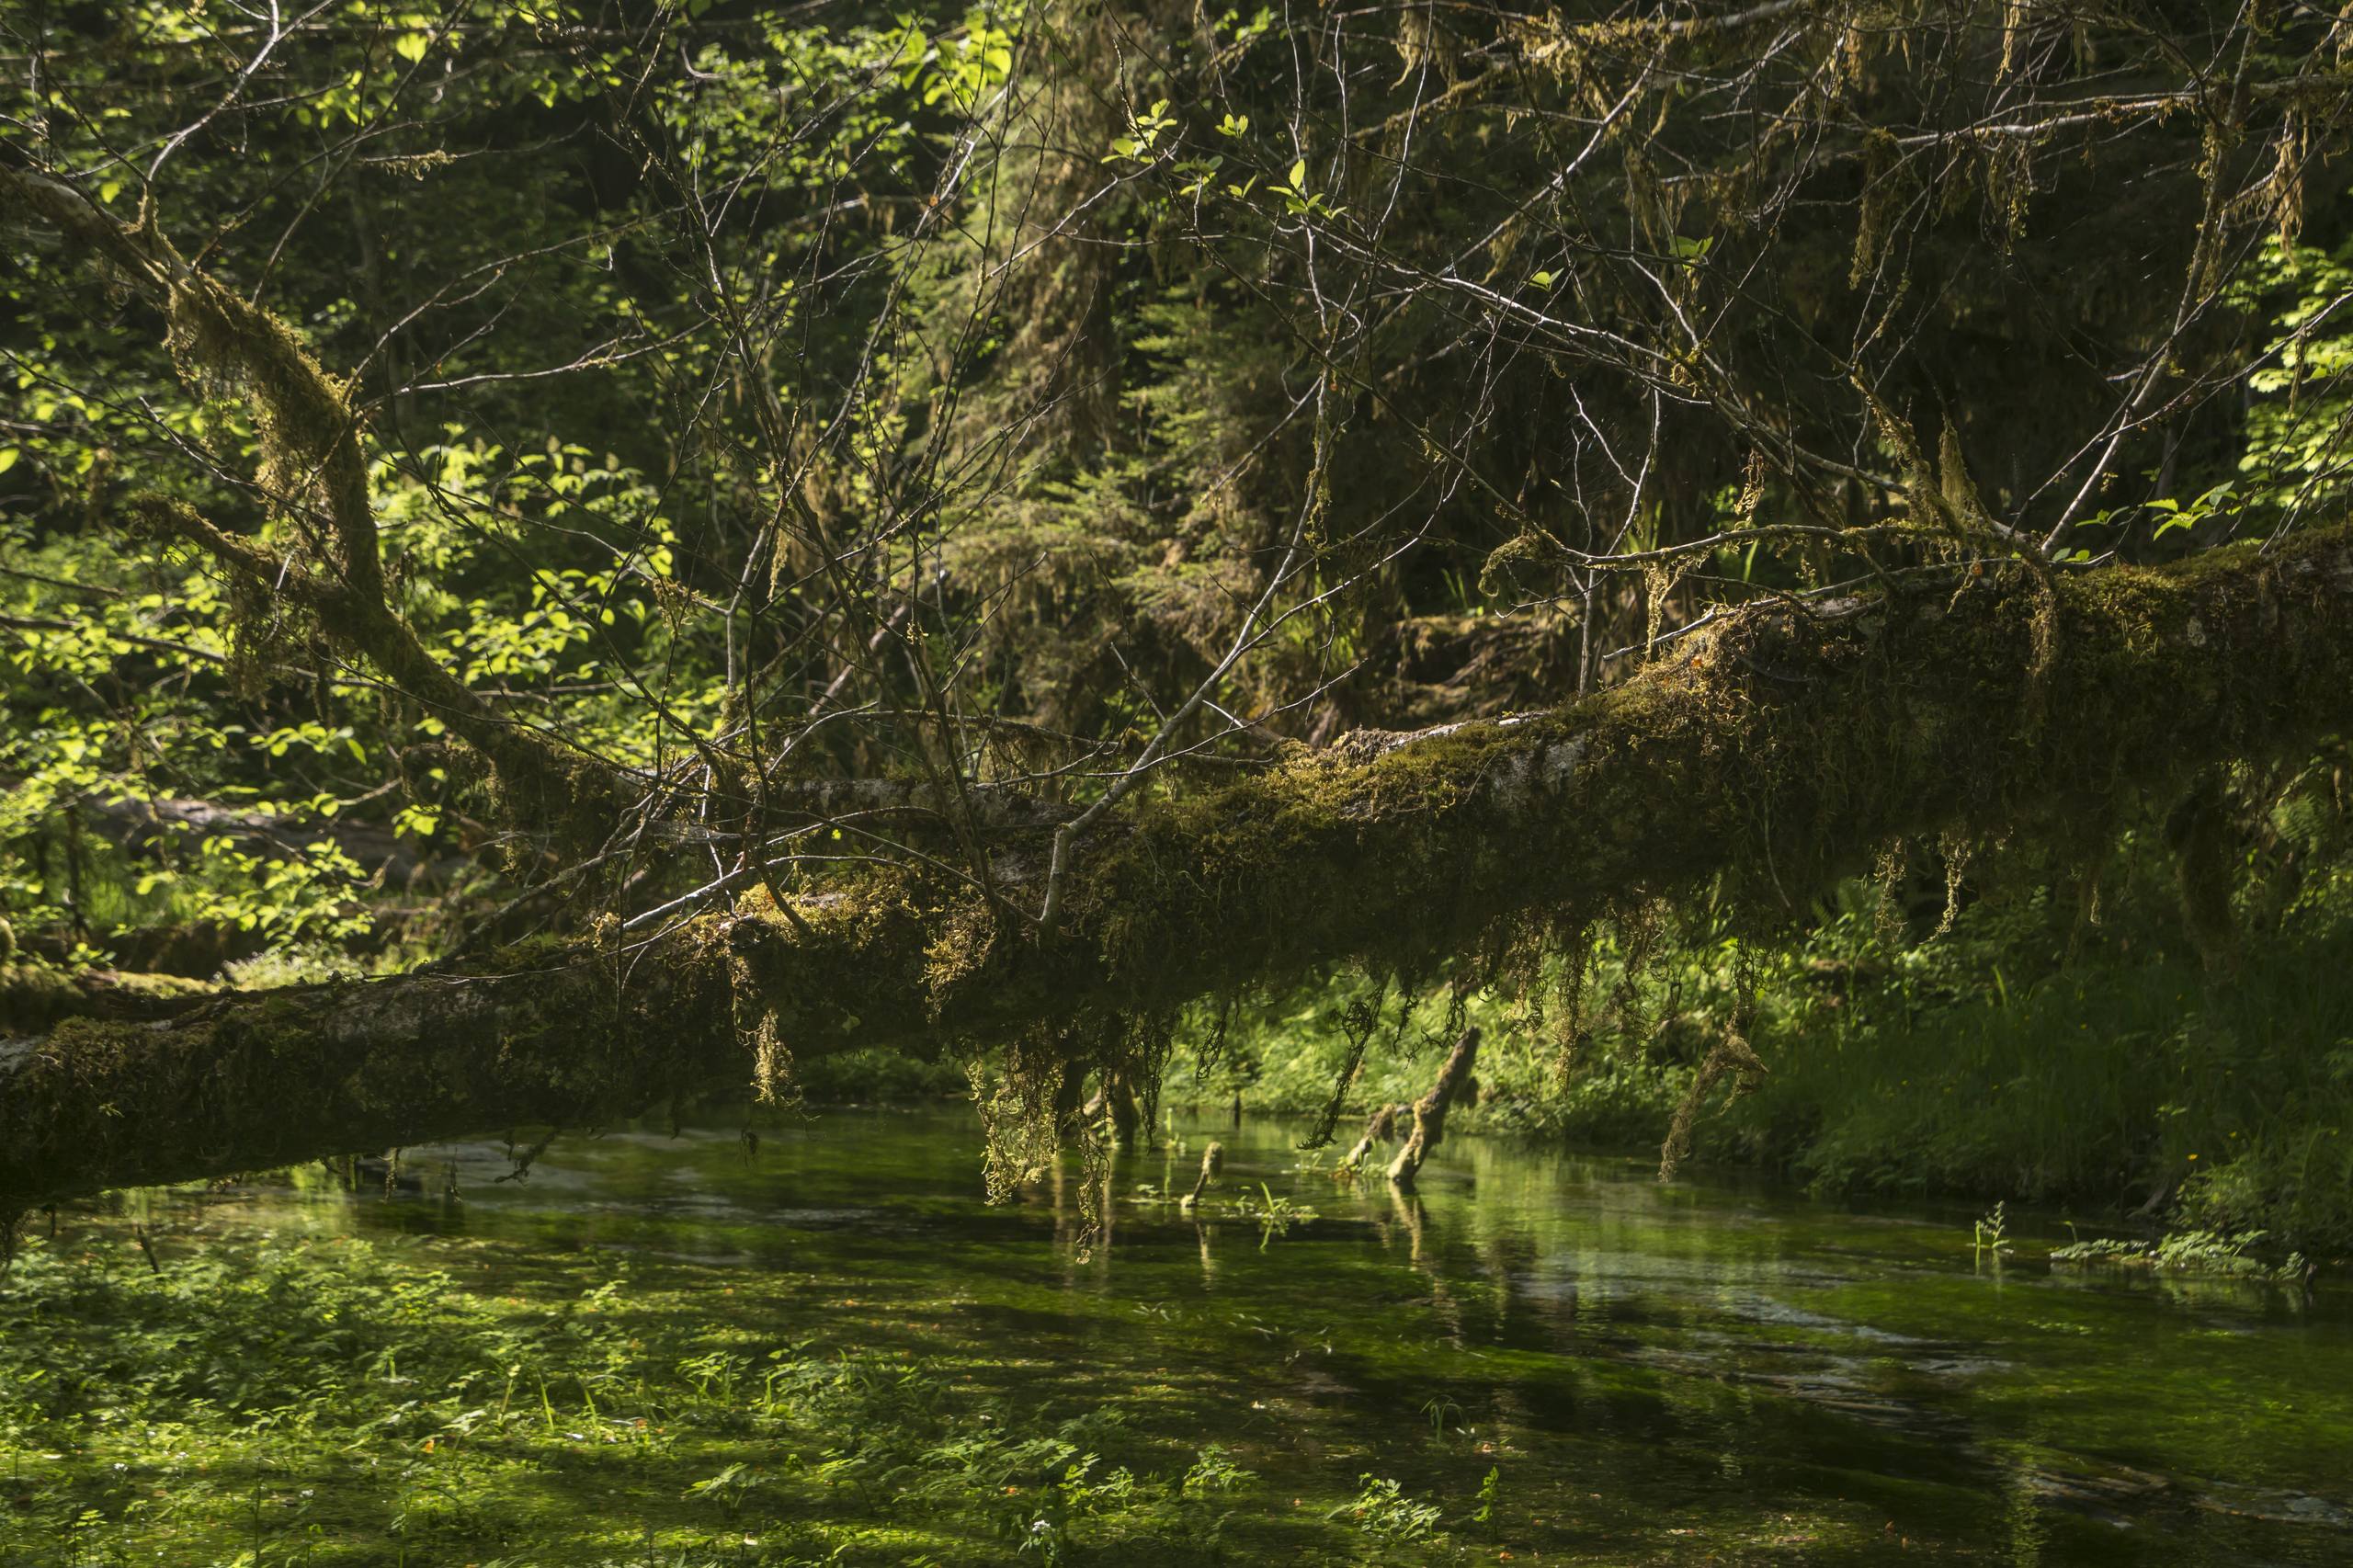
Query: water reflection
{"x": 1709, "y": 1366}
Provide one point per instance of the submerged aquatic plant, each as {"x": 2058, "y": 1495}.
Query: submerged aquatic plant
{"x": 1991, "y": 1231}
{"x": 2188, "y": 1251}
{"x": 1275, "y": 1216}
{"x": 1491, "y": 1490}
{"x": 1214, "y": 1470}
{"x": 464, "y": 1391}
{"x": 1381, "y": 1507}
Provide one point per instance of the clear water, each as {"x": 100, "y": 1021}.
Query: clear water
{"x": 1706, "y": 1371}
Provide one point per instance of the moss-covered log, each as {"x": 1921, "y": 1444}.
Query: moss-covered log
{"x": 37, "y": 995}
{"x": 1772, "y": 750}
{"x": 244, "y": 1082}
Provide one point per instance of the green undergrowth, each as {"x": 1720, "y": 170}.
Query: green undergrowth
{"x": 2057, "y": 1037}
{"x": 2222, "y": 1103}
{"x": 874, "y": 1076}
{"x": 273, "y": 1399}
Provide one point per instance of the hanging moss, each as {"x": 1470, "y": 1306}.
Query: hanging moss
{"x": 1770, "y": 755}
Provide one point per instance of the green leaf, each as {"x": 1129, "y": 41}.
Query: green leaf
{"x": 9, "y": 455}
{"x": 1299, "y": 174}
{"x": 411, "y": 47}
{"x": 1541, "y": 279}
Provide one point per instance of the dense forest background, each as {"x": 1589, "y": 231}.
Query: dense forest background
{"x": 493, "y": 474}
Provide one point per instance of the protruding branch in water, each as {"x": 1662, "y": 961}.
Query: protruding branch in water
{"x": 1380, "y": 1127}
{"x": 1126, "y": 1116}
{"x": 1212, "y": 1162}
{"x": 1429, "y": 1111}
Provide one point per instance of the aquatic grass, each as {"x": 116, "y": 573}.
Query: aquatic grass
{"x": 2185, "y": 1252}
{"x": 281, "y": 1399}
{"x": 1381, "y": 1507}
{"x": 1991, "y": 1233}
{"x": 1659, "y": 1373}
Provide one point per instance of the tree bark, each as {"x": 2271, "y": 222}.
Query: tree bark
{"x": 1773, "y": 751}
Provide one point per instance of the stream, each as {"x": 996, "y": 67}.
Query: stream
{"x": 1538, "y": 1356}
{"x": 1655, "y": 1373}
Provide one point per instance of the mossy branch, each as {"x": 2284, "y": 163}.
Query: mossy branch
{"x": 544, "y": 786}
{"x": 314, "y": 470}
{"x": 1772, "y": 754}
{"x": 1429, "y": 1111}
{"x": 313, "y": 465}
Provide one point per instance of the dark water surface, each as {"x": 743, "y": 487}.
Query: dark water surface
{"x": 1705, "y": 1371}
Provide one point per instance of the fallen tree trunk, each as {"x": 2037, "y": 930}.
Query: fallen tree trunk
{"x": 1773, "y": 750}
{"x": 40, "y": 996}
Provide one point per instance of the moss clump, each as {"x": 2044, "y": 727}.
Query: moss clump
{"x": 34, "y": 996}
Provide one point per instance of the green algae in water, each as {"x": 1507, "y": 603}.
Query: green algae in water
{"x": 671, "y": 1349}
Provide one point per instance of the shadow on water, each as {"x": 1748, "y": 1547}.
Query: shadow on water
{"x": 1655, "y": 1373}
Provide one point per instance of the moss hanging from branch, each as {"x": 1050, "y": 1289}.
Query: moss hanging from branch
{"x": 1769, "y": 754}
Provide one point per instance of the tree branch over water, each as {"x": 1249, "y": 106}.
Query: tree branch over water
{"x": 1772, "y": 750}
{"x": 896, "y": 530}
